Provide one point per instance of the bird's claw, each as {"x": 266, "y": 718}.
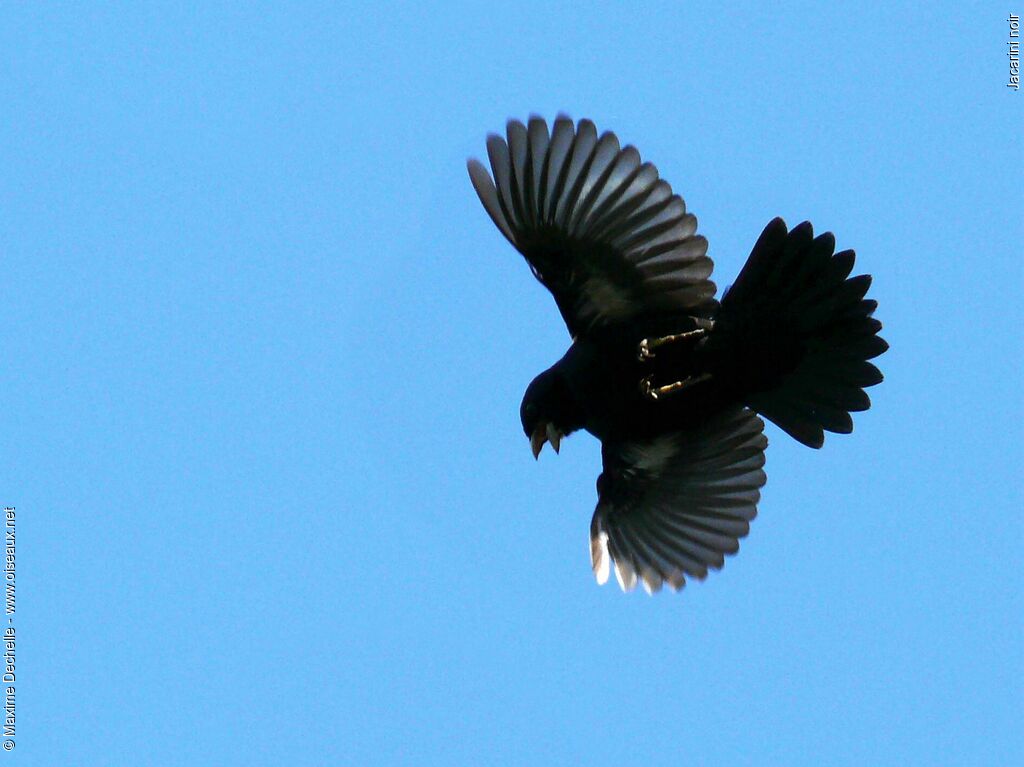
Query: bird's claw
{"x": 645, "y": 349}
{"x": 654, "y": 393}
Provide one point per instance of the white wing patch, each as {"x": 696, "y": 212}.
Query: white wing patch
{"x": 613, "y": 300}
{"x": 599, "y": 560}
{"x": 651, "y": 457}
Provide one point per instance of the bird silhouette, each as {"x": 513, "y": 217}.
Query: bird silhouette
{"x": 671, "y": 380}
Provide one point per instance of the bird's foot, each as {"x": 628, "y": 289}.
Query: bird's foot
{"x": 645, "y": 350}
{"x": 652, "y": 392}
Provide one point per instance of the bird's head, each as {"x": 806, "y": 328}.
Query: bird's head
{"x": 549, "y": 411}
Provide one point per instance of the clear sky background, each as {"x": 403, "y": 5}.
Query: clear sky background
{"x": 263, "y": 354}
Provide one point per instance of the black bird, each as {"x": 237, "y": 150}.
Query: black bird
{"x": 668, "y": 378}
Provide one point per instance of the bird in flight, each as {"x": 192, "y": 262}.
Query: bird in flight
{"x": 669, "y": 378}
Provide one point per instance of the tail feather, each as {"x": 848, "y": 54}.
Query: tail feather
{"x": 795, "y": 333}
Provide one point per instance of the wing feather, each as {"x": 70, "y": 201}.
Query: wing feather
{"x": 598, "y": 227}
{"x": 677, "y": 506}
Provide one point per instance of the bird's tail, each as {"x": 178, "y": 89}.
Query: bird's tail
{"x": 794, "y": 334}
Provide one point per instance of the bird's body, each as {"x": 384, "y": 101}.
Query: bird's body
{"x": 666, "y": 376}
{"x": 603, "y": 372}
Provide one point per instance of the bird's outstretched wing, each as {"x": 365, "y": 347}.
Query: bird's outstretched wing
{"x": 598, "y": 227}
{"x": 674, "y": 506}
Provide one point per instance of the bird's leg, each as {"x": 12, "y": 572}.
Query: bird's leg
{"x": 645, "y": 350}
{"x": 649, "y": 390}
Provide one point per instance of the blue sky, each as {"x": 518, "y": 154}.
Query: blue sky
{"x": 263, "y": 355}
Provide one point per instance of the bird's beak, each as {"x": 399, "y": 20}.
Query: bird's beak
{"x": 544, "y": 432}
{"x": 554, "y": 437}
{"x": 538, "y": 438}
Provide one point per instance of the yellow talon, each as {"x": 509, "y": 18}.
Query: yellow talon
{"x": 652, "y": 392}
{"x": 645, "y": 350}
